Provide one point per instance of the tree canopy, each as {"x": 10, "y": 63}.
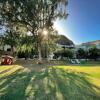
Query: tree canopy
{"x": 34, "y": 15}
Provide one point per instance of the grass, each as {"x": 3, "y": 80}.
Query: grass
{"x": 29, "y": 81}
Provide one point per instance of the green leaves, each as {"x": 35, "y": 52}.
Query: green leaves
{"x": 33, "y": 15}
{"x": 33, "y": 11}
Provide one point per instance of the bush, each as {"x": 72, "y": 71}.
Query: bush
{"x": 94, "y": 53}
{"x": 64, "y": 53}
{"x": 81, "y": 53}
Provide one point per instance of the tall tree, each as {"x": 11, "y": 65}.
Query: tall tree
{"x": 35, "y": 14}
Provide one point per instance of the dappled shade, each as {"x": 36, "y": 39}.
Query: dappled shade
{"x": 19, "y": 83}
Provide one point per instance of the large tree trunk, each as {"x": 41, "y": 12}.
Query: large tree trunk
{"x": 39, "y": 40}
{"x": 40, "y": 55}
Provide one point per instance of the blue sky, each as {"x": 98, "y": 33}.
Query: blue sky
{"x": 83, "y": 22}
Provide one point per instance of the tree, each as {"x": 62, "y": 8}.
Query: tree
{"x": 68, "y": 53}
{"x": 81, "y": 53}
{"x": 94, "y": 53}
{"x": 26, "y": 45}
{"x": 35, "y": 14}
{"x": 64, "y": 53}
{"x": 49, "y": 44}
{"x": 11, "y": 39}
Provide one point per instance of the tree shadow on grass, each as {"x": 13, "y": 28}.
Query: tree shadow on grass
{"x": 48, "y": 84}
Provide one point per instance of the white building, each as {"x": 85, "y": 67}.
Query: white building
{"x": 5, "y": 48}
{"x": 88, "y": 45}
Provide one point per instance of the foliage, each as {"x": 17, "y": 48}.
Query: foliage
{"x": 81, "y": 53}
{"x": 26, "y": 54}
{"x": 49, "y": 42}
{"x": 68, "y": 53}
{"x": 33, "y": 14}
{"x": 91, "y": 53}
{"x": 11, "y": 39}
{"x": 26, "y": 43}
{"x": 21, "y": 42}
{"x": 65, "y": 53}
{"x": 94, "y": 53}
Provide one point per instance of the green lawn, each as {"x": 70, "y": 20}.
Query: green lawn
{"x": 40, "y": 82}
